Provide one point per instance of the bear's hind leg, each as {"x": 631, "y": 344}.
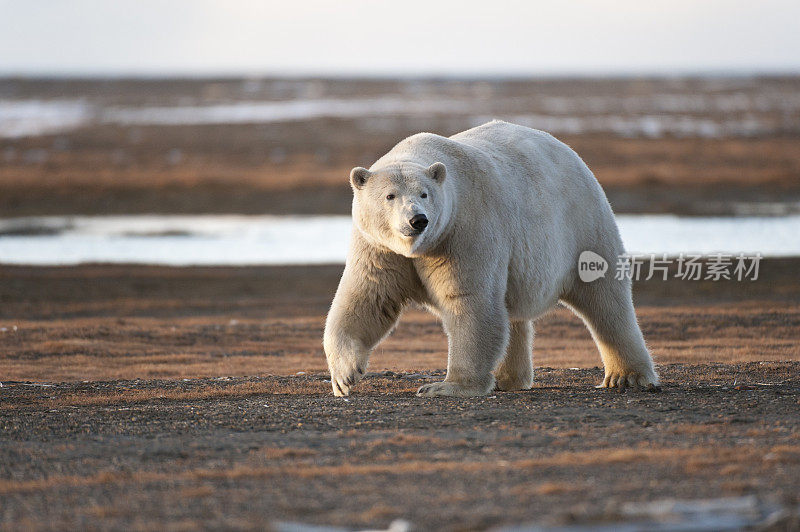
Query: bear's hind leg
{"x": 606, "y": 307}
{"x": 516, "y": 370}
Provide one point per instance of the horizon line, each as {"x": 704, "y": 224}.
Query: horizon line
{"x": 476, "y": 76}
{"x": 425, "y": 74}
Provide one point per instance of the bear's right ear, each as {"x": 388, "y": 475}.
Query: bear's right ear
{"x": 359, "y": 177}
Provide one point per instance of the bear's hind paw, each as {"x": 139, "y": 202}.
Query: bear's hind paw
{"x": 451, "y": 389}
{"x": 510, "y": 384}
{"x": 621, "y": 381}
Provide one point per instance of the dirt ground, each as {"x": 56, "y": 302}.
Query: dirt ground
{"x": 127, "y": 322}
{"x": 181, "y": 398}
{"x": 239, "y": 453}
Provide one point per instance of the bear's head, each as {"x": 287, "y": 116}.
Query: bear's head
{"x": 403, "y": 207}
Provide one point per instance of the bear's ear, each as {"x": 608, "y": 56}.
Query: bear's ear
{"x": 437, "y": 171}
{"x": 359, "y": 177}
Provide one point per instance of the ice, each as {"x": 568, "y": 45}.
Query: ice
{"x": 174, "y": 240}
{"x": 24, "y": 118}
{"x": 712, "y": 515}
{"x": 650, "y": 126}
{"x": 253, "y": 240}
{"x": 770, "y": 236}
{"x": 278, "y": 111}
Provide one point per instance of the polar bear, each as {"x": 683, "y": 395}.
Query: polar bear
{"x": 484, "y": 229}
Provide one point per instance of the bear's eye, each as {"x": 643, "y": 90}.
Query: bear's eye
{"x": 424, "y": 195}
{"x": 390, "y": 197}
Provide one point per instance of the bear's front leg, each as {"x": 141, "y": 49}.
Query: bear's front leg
{"x": 477, "y": 335}
{"x": 359, "y": 318}
{"x": 372, "y": 292}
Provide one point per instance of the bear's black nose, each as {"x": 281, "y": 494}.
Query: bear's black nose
{"x": 419, "y": 222}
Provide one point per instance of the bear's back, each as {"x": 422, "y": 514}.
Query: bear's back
{"x": 529, "y": 155}
{"x": 482, "y": 145}
{"x": 530, "y": 167}
{"x": 520, "y": 144}
{"x": 500, "y": 131}
{"x": 426, "y": 149}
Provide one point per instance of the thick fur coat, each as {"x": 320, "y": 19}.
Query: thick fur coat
{"x": 484, "y": 229}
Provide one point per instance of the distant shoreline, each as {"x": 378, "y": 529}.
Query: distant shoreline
{"x": 655, "y": 74}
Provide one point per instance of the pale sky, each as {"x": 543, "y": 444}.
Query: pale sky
{"x": 412, "y": 37}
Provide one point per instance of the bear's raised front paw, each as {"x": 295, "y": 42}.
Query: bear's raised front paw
{"x": 451, "y": 389}
{"x": 630, "y": 378}
{"x": 345, "y": 376}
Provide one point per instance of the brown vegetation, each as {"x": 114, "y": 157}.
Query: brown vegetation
{"x": 126, "y": 322}
{"x": 302, "y": 166}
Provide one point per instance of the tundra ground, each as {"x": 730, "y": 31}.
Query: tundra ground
{"x": 153, "y": 398}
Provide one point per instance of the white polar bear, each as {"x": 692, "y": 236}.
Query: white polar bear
{"x": 483, "y": 228}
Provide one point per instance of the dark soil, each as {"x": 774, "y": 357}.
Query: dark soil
{"x": 151, "y": 454}
{"x": 167, "y": 398}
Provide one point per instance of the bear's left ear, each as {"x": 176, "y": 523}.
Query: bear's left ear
{"x": 437, "y": 171}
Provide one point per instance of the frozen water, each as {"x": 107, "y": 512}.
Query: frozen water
{"x": 23, "y": 118}
{"x": 280, "y": 111}
{"x": 251, "y": 240}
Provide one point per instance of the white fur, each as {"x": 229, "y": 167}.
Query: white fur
{"x": 510, "y": 209}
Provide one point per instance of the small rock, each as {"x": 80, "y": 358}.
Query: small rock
{"x": 414, "y": 376}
